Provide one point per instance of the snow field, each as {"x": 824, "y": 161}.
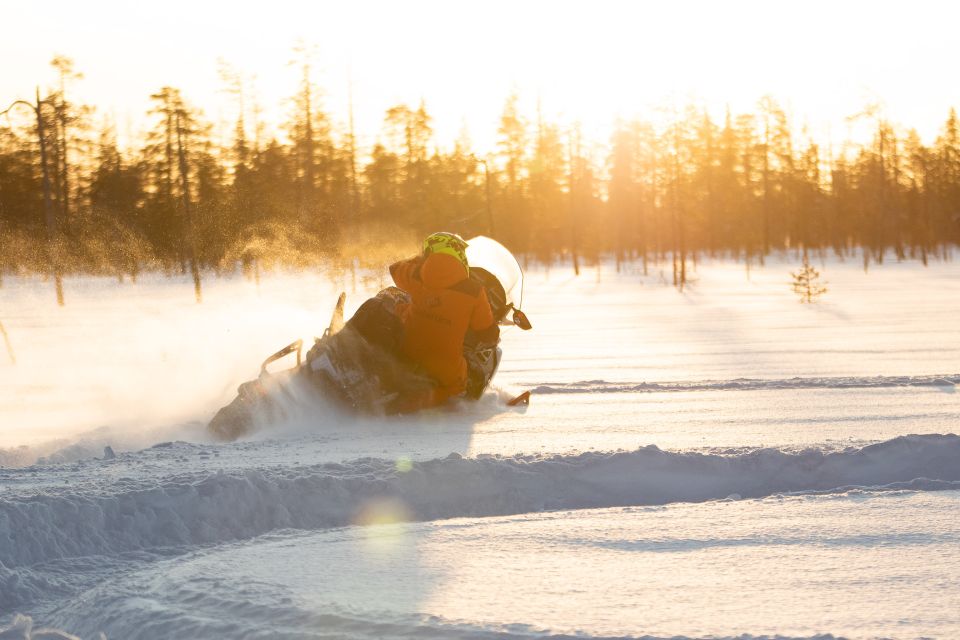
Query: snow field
{"x": 775, "y": 438}
{"x": 859, "y": 563}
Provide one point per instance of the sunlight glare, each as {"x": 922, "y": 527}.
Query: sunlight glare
{"x": 588, "y": 63}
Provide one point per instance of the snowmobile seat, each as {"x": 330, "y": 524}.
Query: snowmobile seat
{"x": 378, "y": 325}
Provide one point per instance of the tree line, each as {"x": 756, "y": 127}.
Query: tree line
{"x": 73, "y": 201}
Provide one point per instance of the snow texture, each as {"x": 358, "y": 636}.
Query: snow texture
{"x": 743, "y": 384}
{"x": 22, "y": 629}
{"x": 110, "y": 491}
{"x": 98, "y": 518}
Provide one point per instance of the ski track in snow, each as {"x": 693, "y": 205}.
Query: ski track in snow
{"x": 745, "y": 384}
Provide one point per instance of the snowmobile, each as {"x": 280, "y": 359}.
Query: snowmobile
{"x": 357, "y": 365}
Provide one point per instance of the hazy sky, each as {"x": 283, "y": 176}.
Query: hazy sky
{"x": 588, "y": 61}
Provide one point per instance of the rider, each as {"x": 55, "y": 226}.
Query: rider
{"x": 445, "y": 303}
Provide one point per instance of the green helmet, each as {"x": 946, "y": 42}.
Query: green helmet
{"x": 448, "y": 243}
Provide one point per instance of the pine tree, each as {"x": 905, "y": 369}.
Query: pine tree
{"x": 408, "y": 133}
{"x": 66, "y": 117}
{"x": 180, "y": 176}
{"x": 806, "y": 282}
{"x": 548, "y": 202}
{"x": 515, "y": 223}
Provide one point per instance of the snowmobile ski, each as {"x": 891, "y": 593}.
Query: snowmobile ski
{"x": 522, "y": 399}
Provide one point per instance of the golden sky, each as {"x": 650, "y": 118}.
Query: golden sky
{"x": 588, "y": 61}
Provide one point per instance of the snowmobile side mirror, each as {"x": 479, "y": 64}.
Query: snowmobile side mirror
{"x": 520, "y": 319}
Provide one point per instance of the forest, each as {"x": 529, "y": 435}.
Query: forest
{"x": 748, "y": 185}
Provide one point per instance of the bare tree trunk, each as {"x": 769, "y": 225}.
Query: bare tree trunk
{"x": 766, "y": 189}
{"x": 486, "y": 183}
{"x": 674, "y": 256}
{"x": 679, "y": 247}
{"x": 683, "y": 259}
{"x": 573, "y": 206}
{"x": 881, "y": 226}
{"x": 925, "y": 215}
{"x": 64, "y": 168}
{"x": 168, "y": 182}
{"x": 190, "y": 230}
{"x": 354, "y": 192}
{"x": 53, "y": 250}
{"x": 306, "y": 198}
{"x": 6, "y": 341}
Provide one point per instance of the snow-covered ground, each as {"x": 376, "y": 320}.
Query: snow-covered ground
{"x": 711, "y": 463}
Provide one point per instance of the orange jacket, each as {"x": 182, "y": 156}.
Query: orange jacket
{"x": 444, "y": 304}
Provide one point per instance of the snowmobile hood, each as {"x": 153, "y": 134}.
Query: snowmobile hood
{"x": 441, "y": 271}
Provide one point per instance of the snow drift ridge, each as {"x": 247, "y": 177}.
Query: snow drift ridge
{"x": 115, "y": 517}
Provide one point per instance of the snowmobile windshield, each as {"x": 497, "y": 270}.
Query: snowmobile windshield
{"x": 492, "y": 256}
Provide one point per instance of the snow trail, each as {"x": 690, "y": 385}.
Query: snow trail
{"x": 747, "y": 384}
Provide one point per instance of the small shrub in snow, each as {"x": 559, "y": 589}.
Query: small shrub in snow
{"x": 806, "y": 283}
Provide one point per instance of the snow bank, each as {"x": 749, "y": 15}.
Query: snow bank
{"x": 22, "y": 629}
{"x": 746, "y": 384}
{"x": 328, "y": 626}
{"x": 91, "y": 444}
{"x": 111, "y": 516}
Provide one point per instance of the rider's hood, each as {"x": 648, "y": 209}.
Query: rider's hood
{"x": 441, "y": 271}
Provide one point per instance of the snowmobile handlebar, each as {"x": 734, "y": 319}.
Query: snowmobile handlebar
{"x": 290, "y": 348}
